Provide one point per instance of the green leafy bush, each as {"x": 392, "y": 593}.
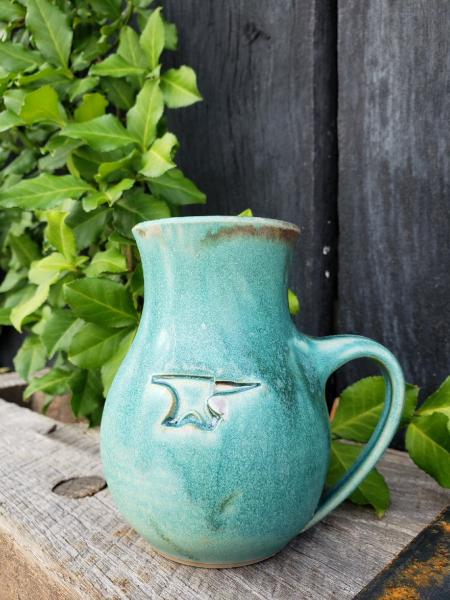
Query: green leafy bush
{"x": 85, "y": 154}
{"x": 355, "y": 417}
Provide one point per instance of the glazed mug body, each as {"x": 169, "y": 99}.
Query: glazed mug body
{"x": 215, "y": 436}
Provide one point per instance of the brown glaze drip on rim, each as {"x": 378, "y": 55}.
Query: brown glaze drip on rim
{"x": 270, "y": 229}
{"x": 152, "y": 231}
{"x": 282, "y": 234}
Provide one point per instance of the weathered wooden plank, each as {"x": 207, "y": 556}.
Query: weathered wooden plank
{"x": 264, "y": 137}
{"x": 81, "y": 548}
{"x": 394, "y": 180}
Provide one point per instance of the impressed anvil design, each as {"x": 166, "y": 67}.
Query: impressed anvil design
{"x": 191, "y": 397}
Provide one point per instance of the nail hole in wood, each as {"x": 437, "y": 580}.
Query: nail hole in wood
{"x": 79, "y": 487}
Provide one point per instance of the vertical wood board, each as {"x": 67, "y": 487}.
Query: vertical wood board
{"x": 394, "y": 180}
{"x": 264, "y": 136}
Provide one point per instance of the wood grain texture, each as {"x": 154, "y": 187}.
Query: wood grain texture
{"x": 394, "y": 180}
{"x": 82, "y": 548}
{"x": 264, "y": 137}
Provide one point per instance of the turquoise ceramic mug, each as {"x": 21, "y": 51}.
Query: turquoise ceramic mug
{"x": 215, "y": 435}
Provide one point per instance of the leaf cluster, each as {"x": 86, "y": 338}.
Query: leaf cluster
{"x": 85, "y": 154}
{"x": 427, "y": 435}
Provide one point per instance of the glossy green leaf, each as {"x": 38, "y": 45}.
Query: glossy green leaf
{"x": 144, "y": 116}
{"x": 108, "y": 261}
{"x": 5, "y": 314}
{"x": 179, "y": 87}
{"x": 136, "y": 208}
{"x": 54, "y": 76}
{"x": 11, "y": 279}
{"x": 11, "y": 11}
{"x": 57, "y": 334}
{"x": 112, "y": 170}
{"x": 437, "y": 402}
{"x": 51, "y": 32}
{"x": 118, "y": 238}
{"x": 137, "y": 281}
{"x": 15, "y": 57}
{"x": 91, "y": 107}
{"x": 428, "y": 444}
{"x": 30, "y": 357}
{"x": 81, "y": 86}
{"x": 21, "y": 165}
{"x": 129, "y": 48}
{"x": 170, "y": 36}
{"x": 8, "y": 120}
{"x": 104, "y": 133}
{"x": 93, "y": 346}
{"x": 158, "y": 159}
{"x": 49, "y": 268}
{"x": 101, "y": 301}
{"x": 42, "y": 105}
{"x": 119, "y": 92}
{"x": 246, "y": 213}
{"x": 94, "y": 47}
{"x": 13, "y": 100}
{"x": 22, "y": 222}
{"x": 115, "y": 192}
{"x": 29, "y": 306}
{"x": 143, "y": 3}
{"x": 5, "y": 79}
{"x": 39, "y": 325}
{"x": 361, "y": 405}
{"x": 58, "y": 143}
{"x": 106, "y": 8}
{"x": 94, "y": 200}
{"x": 24, "y": 248}
{"x": 54, "y": 382}
{"x": 18, "y": 296}
{"x": 59, "y": 234}
{"x": 82, "y": 162}
{"x": 87, "y": 398}
{"x": 87, "y": 226}
{"x": 152, "y": 38}
{"x": 58, "y": 154}
{"x": 109, "y": 369}
{"x": 96, "y": 157}
{"x": 115, "y": 66}
{"x": 293, "y": 302}
{"x": 109, "y": 195}
{"x": 372, "y": 491}
{"x": 44, "y": 191}
{"x": 174, "y": 187}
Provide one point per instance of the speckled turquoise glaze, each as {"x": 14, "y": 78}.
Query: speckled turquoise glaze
{"x": 215, "y": 435}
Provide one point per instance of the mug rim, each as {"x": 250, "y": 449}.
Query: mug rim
{"x": 218, "y": 220}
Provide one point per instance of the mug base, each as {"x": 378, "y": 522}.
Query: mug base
{"x": 205, "y": 565}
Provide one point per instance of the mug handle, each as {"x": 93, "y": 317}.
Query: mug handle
{"x": 331, "y": 353}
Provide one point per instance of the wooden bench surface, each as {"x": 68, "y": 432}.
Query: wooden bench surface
{"x": 56, "y": 547}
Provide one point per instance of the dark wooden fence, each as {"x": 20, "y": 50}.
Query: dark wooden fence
{"x": 334, "y": 115}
